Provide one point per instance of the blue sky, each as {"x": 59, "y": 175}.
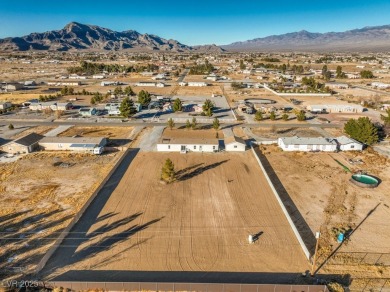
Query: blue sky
{"x": 197, "y": 21}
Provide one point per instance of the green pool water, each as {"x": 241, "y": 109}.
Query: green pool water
{"x": 366, "y": 179}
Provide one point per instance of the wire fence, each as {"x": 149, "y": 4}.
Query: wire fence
{"x": 207, "y": 287}
{"x": 360, "y": 258}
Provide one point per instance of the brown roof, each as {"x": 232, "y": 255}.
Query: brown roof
{"x": 29, "y": 139}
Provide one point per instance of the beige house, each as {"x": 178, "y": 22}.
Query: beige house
{"x": 79, "y": 144}
{"x": 26, "y": 144}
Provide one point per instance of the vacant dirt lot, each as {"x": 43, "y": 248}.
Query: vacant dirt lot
{"x": 39, "y": 197}
{"x": 199, "y": 223}
{"x": 320, "y": 188}
{"x": 285, "y": 132}
{"x": 108, "y": 132}
{"x": 197, "y": 133}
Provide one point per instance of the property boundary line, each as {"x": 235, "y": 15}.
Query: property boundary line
{"x": 76, "y": 218}
{"x": 169, "y": 286}
{"x": 293, "y": 227}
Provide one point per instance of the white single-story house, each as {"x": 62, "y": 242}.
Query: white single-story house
{"x": 307, "y": 144}
{"x": 187, "y": 145}
{"x": 93, "y": 145}
{"x": 337, "y": 108}
{"x": 25, "y": 144}
{"x": 12, "y": 86}
{"x": 5, "y": 105}
{"x": 66, "y": 83}
{"x": 234, "y": 143}
{"x": 337, "y": 85}
{"x": 198, "y": 84}
{"x": 348, "y": 144}
{"x": 55, "y": 106}
{"x": 87, "y": 112}
{"x": 183, "y": 83}
{"x": 146, "y": 84}
{"x": 101, "y": 76}
{"x": 109, "y": 83}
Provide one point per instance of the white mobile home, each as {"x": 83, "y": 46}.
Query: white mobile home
{"x": 93, "y": 145}
{"x": 348, "y": 144}
{"x": 188, "y": 145}
{"x": 307, "y": 144}
{"x": 234, "y": 144}
{"x": 337, "y": 108}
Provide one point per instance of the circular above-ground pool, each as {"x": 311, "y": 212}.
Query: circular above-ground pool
{"x": 364, "y": 180}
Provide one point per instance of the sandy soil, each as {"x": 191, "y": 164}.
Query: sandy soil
{"x": 199, "y": 91}
{"x": 108, "y": 132}
{"x": 285, "y": 132}
{"x": 337, "y": 204}
{"x": 201, "y": 222}
{"x": 198, "y": 134}
{"x": 39, "y": 199}
{"x": 38, "y": 130}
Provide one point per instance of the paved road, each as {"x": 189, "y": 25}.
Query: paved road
{"x": 183, "y": 75}
{"x": 152, "y": 124}
{"x": 370, "y": 89}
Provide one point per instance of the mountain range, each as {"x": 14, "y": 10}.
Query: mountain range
{"x": 374, "y": 38}
{"x": 77, "y": 36}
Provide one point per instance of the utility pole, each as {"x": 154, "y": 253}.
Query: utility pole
{"x": 318, "y": 234}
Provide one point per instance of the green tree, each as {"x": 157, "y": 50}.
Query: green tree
{"x": 168, "y": 171}
{"x": 127, "y": 108}
{"x": 144, "y": 97}
{"x": 237, "y": 85}
{"x": 366, "y": 74}
{"x": 285, "y": 117}
{"x": 208, "y": 107}
{"x": 171, "y": 123}
{"x": 118, "y": 90}
{"x": 188, "y": 124}
{"x": 216, "y": 124}
{"x": 258, "y": 116}
{"x": 194, "y": 123}
{"x": 177, "y": 105}
{"x": 242, "y": 65}
{"x": 272, "y": 116}
{"x": 301, "y": 116}
{"x": 129, "y": 91}
{"x": 362, "y": 130}
{"x": 386, "y": 118}
{"x": 11, "y": 126}
{"x": 340, "y": 73}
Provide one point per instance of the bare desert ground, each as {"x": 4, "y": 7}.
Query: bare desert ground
{"x": 329, "y": 203}
{"x": 108, "y": 132}
{"x": 39, "y": 197}
{"x": 199, "y": 223}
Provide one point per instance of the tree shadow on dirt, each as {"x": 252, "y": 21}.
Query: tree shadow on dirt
{"x": 198, "y": 170}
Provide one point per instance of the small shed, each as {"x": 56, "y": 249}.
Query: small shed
{"x": 5, "y": 105}
{"x": 26, "y": 144}
{"x": 234, "y": 144}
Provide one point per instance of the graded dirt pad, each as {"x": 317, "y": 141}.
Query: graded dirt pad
{"x": 39, "y": 197}
{"x": 38, "y": 130}
{"x": 108, "y": 132}
{"x": 320, "y": 188}
{"x": 192, "y": 134}
{"x": 199, "y": 91}
{"x": 285, "y": 132}
{"x": 199, "y": 223}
